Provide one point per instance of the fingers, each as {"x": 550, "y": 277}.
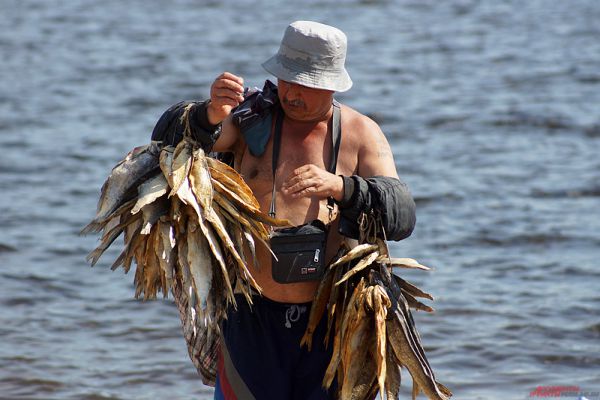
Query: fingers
{"x": 307, "y": 186}
{"x": 226, "y": 92}
{"x": 231, "y": 77}
{"x": 306, "y": 180}
{"x": 227, "y": 87}
{"x": 309, "y": 191}
{"x": 298, "y": 175}
{"x": 296, "y": 178}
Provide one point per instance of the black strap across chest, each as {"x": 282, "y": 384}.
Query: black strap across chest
{"x": 336, "y": 135}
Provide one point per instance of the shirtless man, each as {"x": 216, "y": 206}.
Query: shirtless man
{"x": 260, "y": 355}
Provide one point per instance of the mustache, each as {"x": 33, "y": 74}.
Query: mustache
{"x": 293, "y": 103}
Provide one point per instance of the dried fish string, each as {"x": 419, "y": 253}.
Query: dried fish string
{"x": 379, "y": 293}
{"x": 186, "y": 245}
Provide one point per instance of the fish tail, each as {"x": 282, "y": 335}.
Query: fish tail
{"x": 92, "y": 227}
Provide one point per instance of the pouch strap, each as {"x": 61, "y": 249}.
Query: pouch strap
{"x": 336, "y": 136}
{"x": 275, "y": 158}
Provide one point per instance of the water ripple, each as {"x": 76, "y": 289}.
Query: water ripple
{"x": 491, "y": 112}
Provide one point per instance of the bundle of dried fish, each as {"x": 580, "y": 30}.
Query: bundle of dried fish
{"x": 373, "y": 331}
{"x": 186, "y": 220}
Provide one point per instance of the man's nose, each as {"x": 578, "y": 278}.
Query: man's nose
{"x": 291, "y": 100}
{"x": 293, "y": 93}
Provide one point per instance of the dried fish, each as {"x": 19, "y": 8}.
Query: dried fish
{"x": 392, "y": 377}
{"x": 403, "y": 263}
{"x": 165, "y": 251}
{"x": 374, "y": 334}
{"x": 149, "y": 191}
{"x": 123, "y": 181}
{"x": 318, "y": 307}
{"x": 362, "y": 264}
{"x": 404, "y": 349}
{"x": 152, "y": 212}
{"x": 355, "y": 253}
{"x": 182, "y": 163}
{"x": 201, "y": 181}
{"x": 187, "y": 232}
{"x": 249, "y": 209}
{"x": 230, "y": 179}
{"x": 381, "y": 303}
{"x": 355, "y": 354}
{"x": 339, "y": 337}
{"x": 408, "y": 287}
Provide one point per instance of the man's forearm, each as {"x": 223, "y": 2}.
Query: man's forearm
{"x": 169, "y": 129}
{"x": 387, "y": 197}
{"x": 212, "y": 116}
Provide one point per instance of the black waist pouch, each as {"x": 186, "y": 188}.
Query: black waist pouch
{"x": 300, "y": 252}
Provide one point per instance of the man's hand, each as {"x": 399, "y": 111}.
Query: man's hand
{"x": 226, "y": 92}
{"x": 310, "y": 180}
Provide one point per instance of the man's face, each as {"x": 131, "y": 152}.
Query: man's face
{"x": 303, "y": 103}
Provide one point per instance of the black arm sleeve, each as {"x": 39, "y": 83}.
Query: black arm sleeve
{"x": 387, "y": 197}
{"x": 169, "y": 128}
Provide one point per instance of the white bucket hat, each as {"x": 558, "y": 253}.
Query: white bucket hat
{"x": 311, "y": 54}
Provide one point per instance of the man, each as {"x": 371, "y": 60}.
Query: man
{"x": 260, "y": 356}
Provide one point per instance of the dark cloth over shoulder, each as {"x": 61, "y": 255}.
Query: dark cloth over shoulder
{"x": 169, "y": 128}
{"x": 387, "y": 197}
{"x": 254, "y": 116}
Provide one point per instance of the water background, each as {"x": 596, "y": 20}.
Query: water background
{"x": 491, "y": 108}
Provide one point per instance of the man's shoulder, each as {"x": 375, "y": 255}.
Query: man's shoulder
{"x": 356, "y": 123}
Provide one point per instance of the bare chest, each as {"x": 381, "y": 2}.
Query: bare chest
{"x": 294, "y": 152}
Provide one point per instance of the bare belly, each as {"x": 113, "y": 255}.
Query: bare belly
{"x": 258, "y": 175}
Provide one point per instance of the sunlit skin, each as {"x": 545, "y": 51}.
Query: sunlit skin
{"x": 305, "y": 108}
{"x": 302, "y": 182}
{"x": 304, "y": 104}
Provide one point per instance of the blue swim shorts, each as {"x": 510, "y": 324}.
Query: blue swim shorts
{"x": 261, "y": 358}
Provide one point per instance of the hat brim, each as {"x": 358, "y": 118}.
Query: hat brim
{"x": 317, "y": 79}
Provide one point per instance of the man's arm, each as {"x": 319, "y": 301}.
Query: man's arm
{"x": 376, "y": 189}
{"x": 210, "y": 120}
{"x": 226, "y": 93}
{"x": 375, "y": 155}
